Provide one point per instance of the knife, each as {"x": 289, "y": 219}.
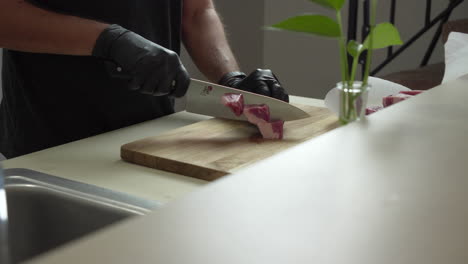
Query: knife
{"x": 205, "y": 98}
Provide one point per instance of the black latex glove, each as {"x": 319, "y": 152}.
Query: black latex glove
{"x": 260, "y": 81}
{"x": 151, "y": 68}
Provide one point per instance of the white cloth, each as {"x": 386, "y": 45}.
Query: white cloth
{"x": 456, "y": 56}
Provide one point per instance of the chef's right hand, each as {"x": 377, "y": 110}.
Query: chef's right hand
{"x": 151, "y": 68}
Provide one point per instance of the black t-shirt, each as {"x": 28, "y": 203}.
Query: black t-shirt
{"x": 50, "y": 100}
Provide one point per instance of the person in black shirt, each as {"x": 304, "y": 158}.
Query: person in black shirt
{"x": 74, "y": 69}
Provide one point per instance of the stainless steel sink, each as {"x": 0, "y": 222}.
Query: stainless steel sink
{"x": 46, "y": 211}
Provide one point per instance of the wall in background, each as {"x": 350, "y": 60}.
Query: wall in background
{"x": 309, "y": 65}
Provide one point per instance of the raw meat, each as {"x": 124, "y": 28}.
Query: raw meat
{"x": 257, "y": 113}
{"x": 271, "y": 130}
{"x": 393, "y": 99}
{"x": 234, "y": 101}
{"x": 373, "y": 109}
{"x": 412, "y": 92}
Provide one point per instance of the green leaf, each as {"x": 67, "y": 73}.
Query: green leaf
{"x": 310, "y": 24}
{"x": 385, "y": 35}
{"x": 355, "y": 48}
{"x": 332, "y": 4}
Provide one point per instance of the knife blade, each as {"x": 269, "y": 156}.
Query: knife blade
{"x": 205, "y": 98}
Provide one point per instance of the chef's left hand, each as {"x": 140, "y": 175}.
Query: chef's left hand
{"x": 260, "y": 81}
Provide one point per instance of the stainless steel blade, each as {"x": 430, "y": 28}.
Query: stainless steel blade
{"x": 205, "y": 98}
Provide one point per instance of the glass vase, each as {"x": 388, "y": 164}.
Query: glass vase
{"x": 353, "y": 101}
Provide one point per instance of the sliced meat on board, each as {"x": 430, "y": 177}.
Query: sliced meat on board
{"x": 259, "y": 115}
{"x": 271, "y": 130}
{"x": 256, "y": 113}
{"x": 235, "y": 102}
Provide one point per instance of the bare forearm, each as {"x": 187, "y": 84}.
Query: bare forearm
{"x": 28, "y": 28}
{"x": 205, "y": 40}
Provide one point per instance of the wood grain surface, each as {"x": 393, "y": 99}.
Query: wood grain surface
{"x": 216, "y": 147}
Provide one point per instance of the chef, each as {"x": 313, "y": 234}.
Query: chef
{"x": 74, "y": 69}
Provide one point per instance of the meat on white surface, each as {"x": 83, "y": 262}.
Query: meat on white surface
{"x": 373, "y": 109}
{"x": 401, "y": 96}
{"x": 234, "y": 101}
{"x": 393, "y": 99}
{"x": 412, "y": 92}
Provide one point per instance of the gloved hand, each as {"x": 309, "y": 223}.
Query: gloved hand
{"x": 151, "y": 68}
{"x": 260, "y": 81}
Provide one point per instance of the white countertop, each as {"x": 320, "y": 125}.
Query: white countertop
{"x": 96, "y": 160}
{"x": 389, "y": 190}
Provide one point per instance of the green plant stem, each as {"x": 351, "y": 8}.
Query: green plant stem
{"x": 371, "y": 43}
{"x": 353, "y": 69}
{"x": 348, "y": 109}
{"x": 342, "y": 43}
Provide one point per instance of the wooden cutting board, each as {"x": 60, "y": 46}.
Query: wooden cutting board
{"x": 216, "y": 147}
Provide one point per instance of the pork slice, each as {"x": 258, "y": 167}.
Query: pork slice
{"x": 373, "y": 109}
{"x": 257, "y": 113}
{"x": 271, "y": 130}
{"x": 393, "y": 99}
{"x": 412, "y": 92}
{"x": 234, "y": 101}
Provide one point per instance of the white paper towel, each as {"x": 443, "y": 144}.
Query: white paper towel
{"x": 379, "y": 89}
{"x": 456, "y": 66}
{"x": 456, "y": 56}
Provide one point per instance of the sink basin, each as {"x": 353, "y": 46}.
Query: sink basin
{"x": 46, "y": 211}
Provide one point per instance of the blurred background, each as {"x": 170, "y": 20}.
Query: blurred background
{"x": 308, "y": 65}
